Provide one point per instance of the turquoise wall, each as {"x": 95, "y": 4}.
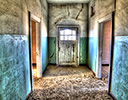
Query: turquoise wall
{"x": 119, "y": 86}
{"x": 82, "y": 51}
{"x": 44, "y": 46}
{"x": 14, "y": 67}
{"x": 52, "y": 50}
{"x": 92, "y": 53}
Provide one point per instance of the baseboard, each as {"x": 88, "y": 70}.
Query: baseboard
{"x": 52, "y": 64}
{"x": 83, "y": 65}
{"x": 45, "y": 70}
{"x": 28, "y": 95}
{"x": 113, "y": 97}
{"x": 34, "y": 64}
{"x": 105, "y": 64}
{"x": 91, "y": 70}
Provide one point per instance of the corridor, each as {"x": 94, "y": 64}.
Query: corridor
{"x": 41, "y": 41}
{"x": 69, "y": 83}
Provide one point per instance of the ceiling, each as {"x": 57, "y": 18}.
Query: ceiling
{"x": 68, "y": 1}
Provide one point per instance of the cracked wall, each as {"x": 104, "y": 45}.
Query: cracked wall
{"x": 119, "y": 86}
{"x": 14, "y": 46}
{"x": 102, "y": 9}
{"x": 68, "y": 14}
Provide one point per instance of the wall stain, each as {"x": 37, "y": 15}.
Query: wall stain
{"x": 52, "y": 55}
{"x": 80, "y": 11}
{"x": 59, "y": 20}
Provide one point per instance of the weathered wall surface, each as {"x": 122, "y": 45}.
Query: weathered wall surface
{"x": 102, "y": 8}
{"x": 14, "y": 50}
{"x": 14, "y": 67}
{"x": 119, "y": 86}
{"x": 69, "y": 14}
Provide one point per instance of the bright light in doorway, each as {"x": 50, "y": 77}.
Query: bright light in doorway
{"x": 68, "y": 35}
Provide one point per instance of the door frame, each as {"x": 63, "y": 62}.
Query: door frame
{"x": 100, "y": 46}
{"x": 57, "y": 41}
{"x": 37, "y": 20}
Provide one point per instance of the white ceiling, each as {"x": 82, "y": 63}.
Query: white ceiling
{"x": 68, "y": 1}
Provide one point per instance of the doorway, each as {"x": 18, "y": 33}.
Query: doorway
{"x": 33, "y": 42}
{"x": 34, "y": 47}
{"x": 106, "y": 50}
{"x": 67, "y": 44}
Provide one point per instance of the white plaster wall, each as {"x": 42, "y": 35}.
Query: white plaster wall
{"x": 68, "y": 14}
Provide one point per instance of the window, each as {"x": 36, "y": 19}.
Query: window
{"x": 67, "y": 35}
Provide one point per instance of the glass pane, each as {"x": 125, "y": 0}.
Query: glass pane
{"x": 73, "y": 37}
{"x": 66, "y": 37}
{"x": 70, "y": 37}
{"x": 61, "y": 32}
{"x": 74, "y": 33}
{"x": 61, "y": 37}
{"x": 67, "y": 32}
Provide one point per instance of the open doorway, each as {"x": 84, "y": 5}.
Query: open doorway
{"x": 67, "y": 45}
{"x": 33, "y": 43}
{"x": 34, "y": 48}
{"x": 106, "y": 49}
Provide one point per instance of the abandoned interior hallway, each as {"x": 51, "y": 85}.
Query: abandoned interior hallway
{"x": 69, "y": 83}
{"x": 41, "y": 41}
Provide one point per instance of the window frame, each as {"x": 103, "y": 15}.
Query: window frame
{"x": 68, "y": 28}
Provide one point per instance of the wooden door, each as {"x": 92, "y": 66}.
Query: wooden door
{"x": 106, "y": 43}
{"x": 68, "y": 46}
{"x": 33, "y": 35}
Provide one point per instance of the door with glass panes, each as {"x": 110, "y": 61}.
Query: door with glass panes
{"x": 68, "y": 46}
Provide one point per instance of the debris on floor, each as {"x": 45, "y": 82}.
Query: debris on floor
{"x": 69, "y": 83}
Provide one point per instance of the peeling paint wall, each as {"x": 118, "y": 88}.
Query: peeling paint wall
{"x": 83, "y": 50}
{"x": 14, "y": 67}
{"x": 119, "y": 86}
{"x": 68, "y": 14}
{"x": 102, "y": 9}
{"x": 52, "y": 50}
{"x": 14, "y": 46}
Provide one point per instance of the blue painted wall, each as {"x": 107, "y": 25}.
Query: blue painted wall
{"x": 44, "y": 46}
{"x": 14, "y": 67}
{"x": 119, "y": 86}
{"x": 92, "y": 53}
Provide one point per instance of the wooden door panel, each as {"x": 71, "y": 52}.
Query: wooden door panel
{"x": 67, "y": 51}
